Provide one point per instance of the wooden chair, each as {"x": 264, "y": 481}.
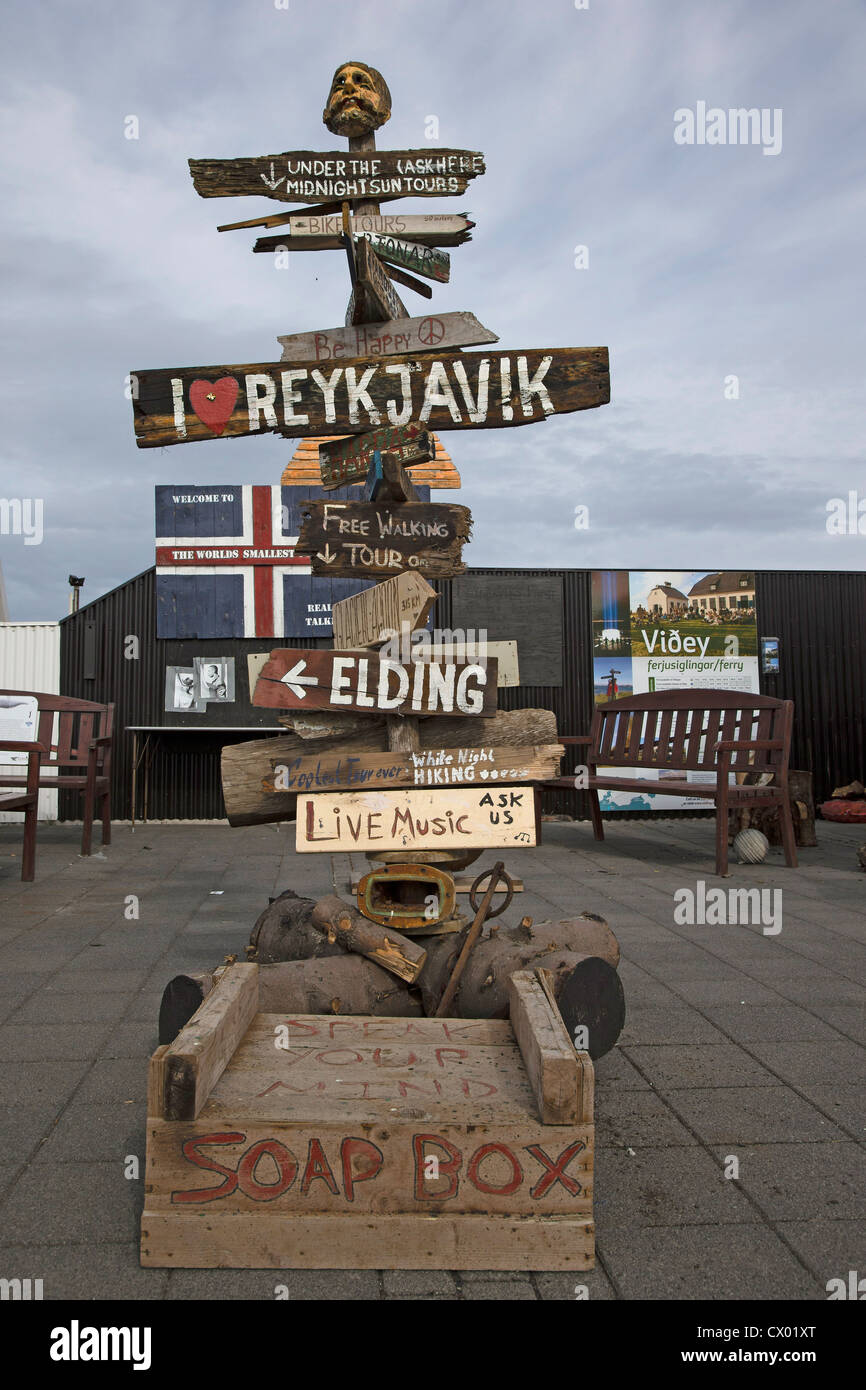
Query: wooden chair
{"x": 26, "y": 801}
{"x": 81, "y": 756}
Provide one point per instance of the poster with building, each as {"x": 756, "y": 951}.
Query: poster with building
{"x": 671, "y": 629}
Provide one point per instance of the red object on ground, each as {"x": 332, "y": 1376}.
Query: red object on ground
{"x": 844, "y": 810}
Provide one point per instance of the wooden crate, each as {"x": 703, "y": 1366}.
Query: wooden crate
{"x": 286, "y": 1141}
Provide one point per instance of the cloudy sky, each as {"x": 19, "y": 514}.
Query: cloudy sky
{"x": 706, "y": 262}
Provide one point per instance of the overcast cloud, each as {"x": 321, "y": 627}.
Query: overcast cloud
{"x": 704, "y": 262}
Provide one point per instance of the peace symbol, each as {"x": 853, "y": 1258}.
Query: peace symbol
{"x": 431, "y": 331}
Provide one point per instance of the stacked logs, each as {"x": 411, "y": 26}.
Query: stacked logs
{"x": 334, "y": 960}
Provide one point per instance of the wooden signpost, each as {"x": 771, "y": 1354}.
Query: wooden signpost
{"x": 347, "y": 461}
{"x": 310, "y": 176}
{"x": 298, "y": 678}
{"x": 426, "y": 260}
{"x": 362, "y": 619}
{"x": 432, "y": 333}
{"x": 363, "y": 538}
{"x": 494, "y": 390}
{"x": 451, "y": 818}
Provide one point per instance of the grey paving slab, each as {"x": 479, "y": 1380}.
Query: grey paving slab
{"x": 38, "y": 1083}
{"x": 571, "y": 1286}
{"x": 288, "y": 1285}
{"x": 631, "y": 1119}
{"x": 22, "y": 1127}
{"x": 769, "y": 1022}
{"x": 714, "y": 1262}
{"x": 665, "y": 1187}
{"x": 829, "y": 1248}
{"x": 90, "y": 1133}
{"x": 89, "y": 1202}
{"x": 23, "y": 1042}
{"x": 698, "y": 1064}
{"x": 753, "y": 1115}
{"x": 85, "y": 1271}
{"x": 489, "y": 1291}
{"x": 797, "y": 1182}
{"x": 659, "y": 1024}
{"x": 419, "y": 1283}
{"x": 54, "y": 1007}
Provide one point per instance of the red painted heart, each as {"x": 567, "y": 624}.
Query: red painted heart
{"x": 214, "y": 401}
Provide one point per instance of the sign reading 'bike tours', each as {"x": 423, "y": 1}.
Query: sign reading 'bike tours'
{"x": 450, "y": 391}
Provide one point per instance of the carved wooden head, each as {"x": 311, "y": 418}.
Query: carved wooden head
{"x": 359, "y": 100}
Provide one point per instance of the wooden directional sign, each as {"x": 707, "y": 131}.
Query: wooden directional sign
{"x": 295, "y": 678}
{"x": 425, "y": 260}
{"x": 431, "y": 229}
{"x": 363, "y": 538}
{"x": 450, "y": 818}
{"x": 347, "y": 461}
{"x": 432, "y": 767}
{"x": 361, "y": 619}
{"x": 433, "y": 333}
{"x": 465, "y": 390}
{"x": 381, "y": 300}
{"x": 308, "y": 176}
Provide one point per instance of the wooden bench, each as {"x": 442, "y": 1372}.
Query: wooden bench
{"x": 81, "y": 756}
{"x": 26, "y": 800}
{"x": 707, "y": 731}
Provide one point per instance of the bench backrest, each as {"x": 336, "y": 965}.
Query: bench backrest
{"x": 78, "y": 722}
{"x": 677, "y": 730}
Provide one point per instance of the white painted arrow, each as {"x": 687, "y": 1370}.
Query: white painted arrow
{"x": 273, "y": 181}
{"x": 327, "y": 558}
{"x": 296, "y": 682}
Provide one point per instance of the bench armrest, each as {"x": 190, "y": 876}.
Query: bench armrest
{"x": 581, "y": 738}
{"x": 102, "y": 742}
{"x": 9, "y": 745}
{"x": 730, "y": 744}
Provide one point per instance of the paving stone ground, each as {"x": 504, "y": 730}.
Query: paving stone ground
{"x": 743, "y": 1053}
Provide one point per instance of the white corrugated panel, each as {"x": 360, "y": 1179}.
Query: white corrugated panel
{"x": 30, "y": 660}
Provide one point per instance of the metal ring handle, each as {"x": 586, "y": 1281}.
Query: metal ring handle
{"x": 509, "y": 892}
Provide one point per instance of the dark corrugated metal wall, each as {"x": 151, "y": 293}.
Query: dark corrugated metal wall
{"x": 819, "y": 618}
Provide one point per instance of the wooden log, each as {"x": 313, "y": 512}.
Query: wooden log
{"x": 484, "y": 989}
{"x": 248, "y": 768}
{"x": 285, "y": 931}
{"x": 345, "y": 925}
{"x": 343, "y": 984}
{"x": 180, "y": 999}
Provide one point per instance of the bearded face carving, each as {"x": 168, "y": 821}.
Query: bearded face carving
{"x": 359, "y": 100}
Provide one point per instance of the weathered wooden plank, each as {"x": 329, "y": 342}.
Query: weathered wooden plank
{"x": 346, "y": 461}
{"x": 424, "y": 260}
{"x": 314, "y": 1166}
{"x": 365, "y": 619}
{"x": 430, "y": 767}
{"x": 364, "y": 538}
{"x": 548, "y": 1053}
{"x": 299, "y": 678}
{"x": 206, "y": 1241}
{"x": 199, "y": 1054}
{"x": 381, "y": 300}
{"x": 431, "y": 333}
{"x": 448, "y": 391}
{"x": 248, "y": 768}
{"x": 310, "y": 176}
{"x": 450, "y": 818}
{"x": 429, "y": 229}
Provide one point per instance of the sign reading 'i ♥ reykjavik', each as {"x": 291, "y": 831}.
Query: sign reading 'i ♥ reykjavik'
{"x": 448, "y": 391}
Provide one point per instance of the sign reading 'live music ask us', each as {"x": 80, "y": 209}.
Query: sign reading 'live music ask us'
{"x": 447, "y": 818}
{"x": 448, "y": 391}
